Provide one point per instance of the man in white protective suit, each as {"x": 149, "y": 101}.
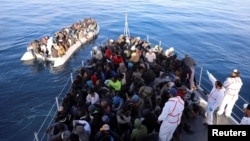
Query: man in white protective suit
{"x": 170, "y": 116}
{"x": 214, "y": 98}
{"x": 246, "y": 118}
{"x": 232, "y": 85}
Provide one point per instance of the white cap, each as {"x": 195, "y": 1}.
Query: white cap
{"x": 245, "y": 106}
{"x": 166, "y": 53}
{"x": 60, "y": 109}
{"x": 235, "y": 70}
{"x": 171, "y": 49}
{"x": 133, "y": 48}
{"x": 171, "y": 84}
{"x": 156, "y": 48}
{"x": 95, "y": 48}
{"x": 105, "y": 127}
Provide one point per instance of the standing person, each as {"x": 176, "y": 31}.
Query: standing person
{"x": 214, "y": 98}
{"x": 150, "y": 57}
{"x": 246, "y": 118}
{"x": 170, "y": 116}
{"x": 191, "y": 63}
{"x": 97, "y": 55}
{"x": 232, "y": 85}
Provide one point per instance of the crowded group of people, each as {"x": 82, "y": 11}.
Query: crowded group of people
{"x": 129, "y": 90}
{"x": 58, "y": 44}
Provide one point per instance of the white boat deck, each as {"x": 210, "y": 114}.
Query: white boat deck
{"x": 201, "y": 130}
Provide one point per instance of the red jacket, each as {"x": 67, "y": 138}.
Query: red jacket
{"x": 108, "y": 53}
{"x": 117, "y": 59}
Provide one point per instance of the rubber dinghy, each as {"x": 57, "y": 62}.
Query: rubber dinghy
{"x": 59, "y": 47}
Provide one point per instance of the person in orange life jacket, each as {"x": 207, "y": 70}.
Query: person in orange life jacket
{"x": 214, "y": 98}
{"x": 232, "y": 86}
{"x": 170, "y": 117}
{"x": 135, "y": 55}
{"x": 61, "y": 50}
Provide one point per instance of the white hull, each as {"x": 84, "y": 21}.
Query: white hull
{"x": 58, "y": 61}
{"x": 28, "y": 55}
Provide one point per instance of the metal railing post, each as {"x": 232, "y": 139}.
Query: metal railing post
{"x": 200, "y": 77}
{"x": 71, "y": 76}
{"x": 36, "y": 137}
{"x": 159, "y": 44}
{"x": 91, "y": 53}
{"x": 147, "y": 38}
{"x": 57, "y": 104}
{"x": 83, "y": 63}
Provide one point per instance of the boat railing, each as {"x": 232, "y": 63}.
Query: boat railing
{"x": 205, "y": 86}
{"x": 202, "y": 82}
{"x": 48, "y": 121}
{"x": 40, "y": 133}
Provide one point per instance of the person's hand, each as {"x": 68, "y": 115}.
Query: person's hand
{"x": 159, "y": 122}
{"x": 210, "y": 109}
{"x": 208, "y": 72}
{"x": 47, "y": 130}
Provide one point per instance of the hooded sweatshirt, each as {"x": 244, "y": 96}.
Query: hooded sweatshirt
{"x": 139, "y": 131}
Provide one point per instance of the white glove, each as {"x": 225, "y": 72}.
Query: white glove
{"x": 208, "y": 73}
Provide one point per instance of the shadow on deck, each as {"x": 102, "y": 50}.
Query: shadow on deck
{"x": 200, "y": 130}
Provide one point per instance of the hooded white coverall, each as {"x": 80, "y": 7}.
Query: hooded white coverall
{"x": 232, "y": 86}
{"x": 170, "y": 117}
{"x": 214, "y": 99}
{"x": 245, "y": 121}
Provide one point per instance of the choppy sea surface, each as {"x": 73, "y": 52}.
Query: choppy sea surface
{"x": 215, "y": 33}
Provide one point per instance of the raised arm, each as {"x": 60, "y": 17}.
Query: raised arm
{"x": 211, "y": 77}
